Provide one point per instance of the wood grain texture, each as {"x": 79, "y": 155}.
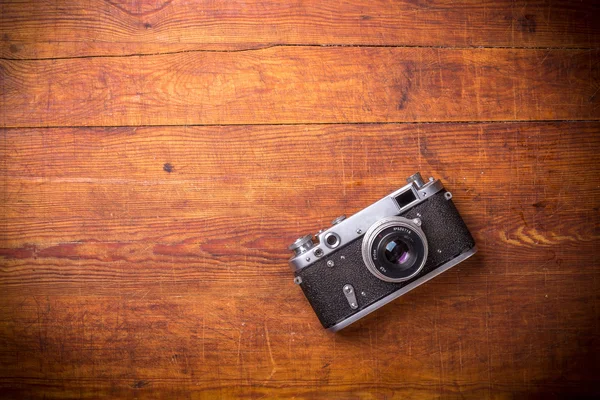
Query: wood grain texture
{"x": 158, "y": 157}
{"x": 304, "y": 85}
{"x": 49, "y": 29}
{"x": 152, "y": 262}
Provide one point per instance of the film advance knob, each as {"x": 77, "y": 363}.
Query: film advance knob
{"x": 417, "y": 179}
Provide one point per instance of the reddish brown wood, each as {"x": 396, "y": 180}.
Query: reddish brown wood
{"x": 304, "y": 84}
{"x": 63, "y": 28}
{"x": 158, "y": 156}
{"x": 121, "y": 278}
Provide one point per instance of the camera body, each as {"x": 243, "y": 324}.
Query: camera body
{"x": 365, "y": 261}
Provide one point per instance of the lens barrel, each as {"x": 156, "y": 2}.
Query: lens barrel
{"x": 394, "y": 249}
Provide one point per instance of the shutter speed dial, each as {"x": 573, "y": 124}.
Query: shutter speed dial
{"x": 302, "y": 245}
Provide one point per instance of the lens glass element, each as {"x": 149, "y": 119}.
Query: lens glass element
{"x": 397, "y": 252}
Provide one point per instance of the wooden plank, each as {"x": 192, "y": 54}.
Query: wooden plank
{"x": 86, "y": 206}
{"x": 303, "y": 85}
{"x": 109, "y": 269}
{"x": 49, "y": 29}
{"x": 460, "y": 334}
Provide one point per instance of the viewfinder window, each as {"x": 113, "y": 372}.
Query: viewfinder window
{"x": 405, "y": 198}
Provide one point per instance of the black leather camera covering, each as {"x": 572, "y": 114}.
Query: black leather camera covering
{"x": 322, "y": 285}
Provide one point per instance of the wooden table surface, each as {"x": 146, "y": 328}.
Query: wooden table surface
{"x": 159, "y": 156}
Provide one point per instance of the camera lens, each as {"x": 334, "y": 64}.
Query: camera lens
{"x": 394, "y": 249}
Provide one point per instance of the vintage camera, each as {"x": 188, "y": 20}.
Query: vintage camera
{"x": 365, "y": 261}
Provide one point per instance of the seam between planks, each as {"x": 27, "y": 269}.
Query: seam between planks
{"x": 267, "y": 47}
{"x": 465, "y": 122}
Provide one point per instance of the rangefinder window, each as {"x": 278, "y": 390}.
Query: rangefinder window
{"x": 405, "y": 198}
